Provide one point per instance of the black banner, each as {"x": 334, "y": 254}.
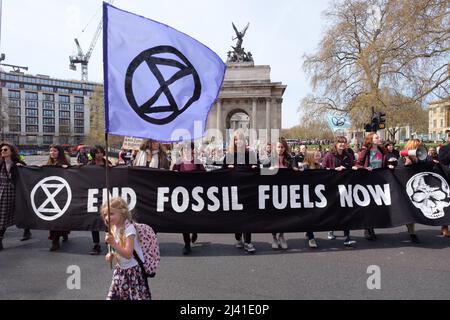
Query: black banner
{"x": 227, "y": 201}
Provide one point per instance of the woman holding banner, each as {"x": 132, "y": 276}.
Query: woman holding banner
{"x": 312, "y": 162}
{"x": 284, "y": 161}
{"x": 412, "y": 144}
{"x": 152, "y": 154}
{"x": 239, "y": 157}
{"x": 187, "y": 162}
{"x": 98, "y": 159}
{"x": 8, "y": 171}
{"x": 340, "y": 159}
{"x": 58, "y": 158}
{"x": 372, "y": 156}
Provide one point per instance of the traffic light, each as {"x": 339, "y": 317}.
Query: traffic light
{"x": 368, "y": 127}
{"x": 377, "y": 122}
{"x": 381, "y": 120}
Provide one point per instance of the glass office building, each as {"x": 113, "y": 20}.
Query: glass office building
{"x": 39, "y": 110}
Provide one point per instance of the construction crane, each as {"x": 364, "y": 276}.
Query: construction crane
{"x": 14, "y": 67}
{"x": 83, "y": 59}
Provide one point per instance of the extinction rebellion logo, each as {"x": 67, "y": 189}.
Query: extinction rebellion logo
{"x": 50, "y": 198}
{"x": 338, "y": 121}
{"x": 430, "y": 193}
{"x": 150, "y": 111}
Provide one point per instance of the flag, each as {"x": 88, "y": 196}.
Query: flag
{"x": 338, "y": 122}
{"x": 157, "y": 79}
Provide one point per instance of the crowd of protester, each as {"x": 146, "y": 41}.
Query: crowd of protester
{"x": 129, "y": 277}
{"x": 372, "y": 154}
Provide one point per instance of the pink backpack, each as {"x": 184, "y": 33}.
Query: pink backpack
{"x": 150, "y": 249}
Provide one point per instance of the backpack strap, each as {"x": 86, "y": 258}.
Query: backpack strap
{"x": 141, "y": 265}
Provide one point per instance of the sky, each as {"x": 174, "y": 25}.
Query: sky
{"x": 40, "y": 35}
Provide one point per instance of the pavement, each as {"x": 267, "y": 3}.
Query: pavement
{"x": 218, "y": 270}
{"x": 389, "y": 268}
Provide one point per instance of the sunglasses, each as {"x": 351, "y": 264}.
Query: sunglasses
{"x": 5, "y": 149}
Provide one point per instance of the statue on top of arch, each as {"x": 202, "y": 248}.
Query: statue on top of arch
{"x": 238, "y": 54}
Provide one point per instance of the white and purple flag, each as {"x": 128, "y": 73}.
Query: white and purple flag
{"x": 157, "y": 80}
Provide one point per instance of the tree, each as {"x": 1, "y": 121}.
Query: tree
{"x": 400, "y": 111}
{"x": 97, "y": 118}
{"x": 4, "y": 117}
{"x": 97, "y": 121}
{"x": 310, "y": 128}
{"x": 386, "y": 54}
{"x": 65, "y": 133}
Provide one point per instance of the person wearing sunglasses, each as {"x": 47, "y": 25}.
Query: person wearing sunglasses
{"x": 8, "y": 172}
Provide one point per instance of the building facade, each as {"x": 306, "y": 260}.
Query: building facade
{"x": 439, "y": 119}
{"x": 38, "y": 110}
{"x": 248, "y": 100}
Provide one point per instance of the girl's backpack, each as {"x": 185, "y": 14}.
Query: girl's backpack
{"x": 150, "y": 249}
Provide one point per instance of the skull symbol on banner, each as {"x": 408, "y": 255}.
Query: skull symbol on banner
{"x": 430, "y": 193}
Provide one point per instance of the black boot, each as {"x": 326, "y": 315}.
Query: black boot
{"x": 55, "y": 245}
{"x": 187, "y": 249}
{"x": 414, "y": 238}
{"x": 2, "y": 233}
{"x": 96, "y": 249}
{"x": 26, "y": 235}
{"x": 369, "y": 234}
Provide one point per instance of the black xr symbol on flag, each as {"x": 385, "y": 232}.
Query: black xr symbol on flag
{"x": 152, "y": 61}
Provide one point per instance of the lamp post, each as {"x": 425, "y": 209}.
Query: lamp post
{"x": 2, "y": 55}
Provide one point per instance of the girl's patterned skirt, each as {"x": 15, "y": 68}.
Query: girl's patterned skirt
{"x": 128, "y": 284}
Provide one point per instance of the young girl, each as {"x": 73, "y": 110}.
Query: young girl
{"x": 128, "y": 282}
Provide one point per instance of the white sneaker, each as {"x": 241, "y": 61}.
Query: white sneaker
{"x": 331, "y": 235}
{"x": 312, "y": 243}
{"x": 275, "y": 244}
{"x": 239, "y": 244}
{"x": 248, "y": 247}
{"x": 283, "y": 243}
{"x": 349, "y": 242}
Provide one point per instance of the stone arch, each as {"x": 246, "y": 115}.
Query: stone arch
{"x": 234, "y": 113}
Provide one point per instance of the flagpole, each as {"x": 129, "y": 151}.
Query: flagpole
{"x": 107, "y": 191}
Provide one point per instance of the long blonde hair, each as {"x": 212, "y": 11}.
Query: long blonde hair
{"x": 120, "y": 205}
{"x": 309, "y": 160}
{"x": 237, "y": 135}
{"x": 412, "y": 144}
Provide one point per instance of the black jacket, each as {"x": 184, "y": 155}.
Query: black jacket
{"x": 241, "y": 161}
{"x": 444, "y": 155}
{"x": 13, "y": 170}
